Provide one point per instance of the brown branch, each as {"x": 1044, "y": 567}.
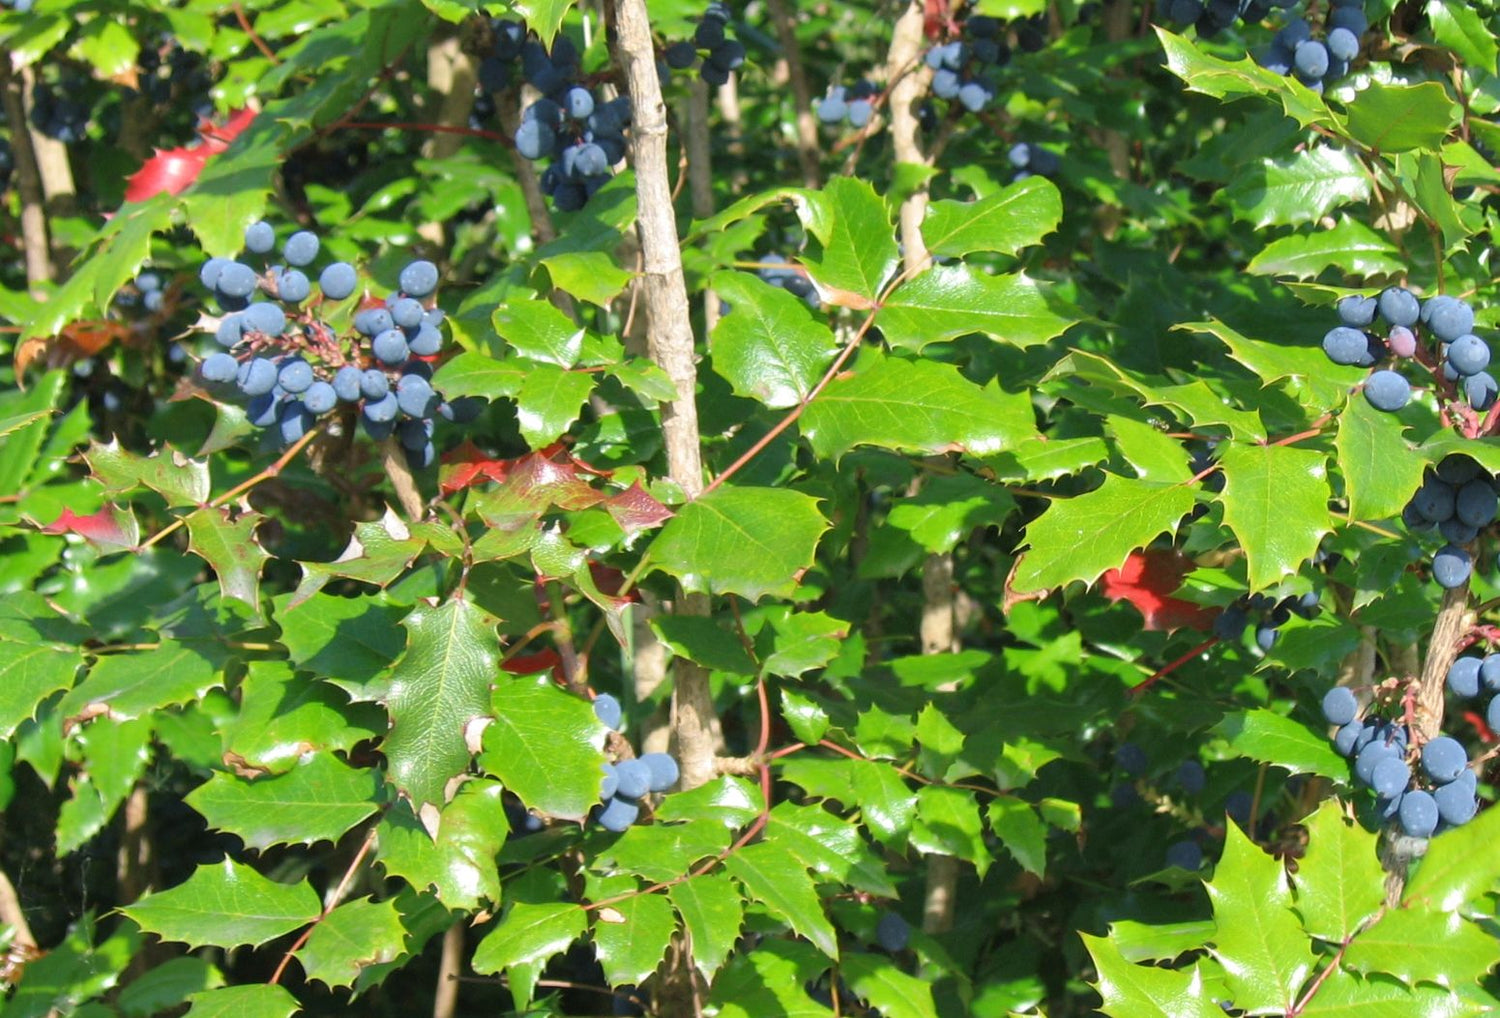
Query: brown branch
{"x": 260, "y": 44}
{"x": 331, "y": 903}
{"x": 28, "y": 181}
{"x": 808, "y": 150}
{"x": 393, "y": 459}
{"x": 445, "y": 1000}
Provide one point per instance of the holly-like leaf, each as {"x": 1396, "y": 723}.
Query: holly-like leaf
{"x": 539, "y": 332}
{"x": 1462, "y": 29}
{"x": 440, "y": 685}
{"x": 769, "y": 347}
{"x": 1227, "y": 79}
{"x": 1298, "y": 188}
{"x": 948, "y": 509}
{"x": 1276, "y": 501}
{"x": 1339, "y": 881}
{"x": 351, "y": 639}
{"x": 1260, "y": 734}
{"x": 1348, "y": 244}
{"x": 230, "y": 548}
{"x": 1020, "y": 830}
{"x": 284, "y": 714}
{"x": 319, "y": 799}
{"x": 549, "y": 402}
{"x": 1016, "y": 216}
{"x": 887, "y": 806}
{"x": 853, "y": 226}
{"x": 1458, "y": 867}
{"x": 712, "y": 913}
{"x": 771, "y": 980}
{"x": 526, "y": 938}
{"x": 477, "y": 374}
{"x": 662, "y": 852}
{"x": 1304, "y": 370}
{"x": 1261, "y": 946}
{"x": 111, "y": 528}
{"x": 1079, "y": 538}
{"x": 1130, "y": 990}
{"x": 1454, "y": 951}
{"x": 792, "y": 643}
{"x": 263, "y": 1000}
{"x": 167, "y": 985}
{"x": 379, "y": 552}
{"x": 730, "y": 801}
{"x": 704, "y": 641}
{"x": 781, "y": 883}
{"x": 1346, "y": 995}
{"x": 178, "y": 479}
{"x": 1399, "y": 118}
{"x": 115, "y": 755}
{"x": 831, "y": 846}
{"x": 225, "y": 905}
{"x": 948, "y": 823}
{"x": 39, "y": 654}
{"x": 877, "y": 981}
{"x": 544, "y": 745}
{"x": 459, "y": 863}
{"x": 631, "y": 936}
{"x": 948, "y": 301}
{"x": 129, "y": 685}
{"x": 914, "y": 406}
{"x": 1381, "y": 468}
{"x": 741, "y": 540}
{"x": 353, "y": 937}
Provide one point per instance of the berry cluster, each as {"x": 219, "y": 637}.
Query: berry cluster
{"x": 171, "y": 76}
{"x": 292, "y": 367}
{"x": 627, "y": 782}
{"x": 1317, "y": 62}
{"x": 147, "y": 293}
{"x": 721, "y": 54}
{"x": 1462, "y": 355}
{"x": 58, "y": 113}
{"x": 960, "y": 67}
{"x": 1439, "y": 796}
{"x": 777, "y": 271}
{"x": 1268, "y": 613}
{"x": 1032, "y": 161}
{"x": 853, "y": 105}
{"x": 1458, "y": 498}
{"x": 1210, "y": 17}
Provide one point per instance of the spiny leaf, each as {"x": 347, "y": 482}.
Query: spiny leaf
{"x": 231, "y": 549}
{"x": 319, "y": 799}
{"x": 769, "y": 347}
{"x": 225, "y": 905}
{"x": 544, "y": 746}
{"x": 1339, "y": 882}
{"x": 712, "y": 913}
{"x": 631, "y": 936}
{"x": 526, "y": 938}
{"x": 948, "y": 301}
{"x": 853, "y": 225}
{"x": 262, "y": 1000}
{"x": 1017, "y": 216}
{"x": 1276, "y": 501}
{"x": 1263, "y": 735}
{"x": 782, "y": 885}
{"x": 459, "y": 864}
{"x": 1131, "y": 990}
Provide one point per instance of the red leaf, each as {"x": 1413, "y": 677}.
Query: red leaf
{"x": 173, "y": 170}
{"x": 609, "y": 580}
{"x": 1147, "y": 580}
{"x": 530, "y": 664}
{"x": 637, "y": 509}
{"x": 112, "y": 527}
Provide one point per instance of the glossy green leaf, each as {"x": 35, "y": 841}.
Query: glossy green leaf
{"x": 75, "y": 970}
{"x": 1303, "y": 370}
{"x": 1462, "y": 29}
{"x": 129, "y": 685}
{"x": 255, "y": 1001}
{"x": 878, "y": 981}
{"x": 1339, "y": 881}
{"x": 1227, "y": 79}
{"x": 948, "y": 301}
{"x": 712, "y": 914}
{"x": 1346, "y": 995}
{"x": 459, "y": 864}
{"x": 1259, "y": 942}
{"x": 178, "y": 479}
{"x": 115, "y": 755}
{"x": 1454, "y": 952}
{"x": 1270, "y": 738}
{"x": 39, "y": 654}
{"x": 526, "y": 938}
{"x": 741, "y": 540}
{"x": 730, "y": 801}
{"x": 662, "y": 852}
{"x": 1399, "y": 118}
{"x": 781, "y": 883}
{"x": 544, "y": 745}
{"x": 1349, "y": 245}
{"x": 631, "y": 937}
{"x": 914, "y": 406}
{"x": 168, "y": 985}
{"x": 539, "y": 332}
{"x": 477, "y": 374}
{"x": 225, "y": 905}
{"x": 1299, "y": 188}
{"x": 1458, "y": 867}
{"x": 378, "y": 552}
{"x": 947, "y": 510}
{"x": 948, "y": 823}
{"x": 771, "y": 980}
{"x": 230, "y": 548}
{"x": 1017, "y": 216}
{"x": 352, "y": 639}
{"x": 1130, "y": 990}
{"x": 705, "y": 641}
{"x": 284, "y": 714}
{"x": 353, "y": 937}
{"x": 770, "y": 347}
{"x": 1380, "y": 466}
{"x": 792, "y": 643}
{"x": 1020, "y": 830}
{"x": 549, "y": 402}
{"x": 318, "y": 799}
{"x": 829, "y": 845}
{"x": 1275, "y": 500}
{"x": 853, "y": 226}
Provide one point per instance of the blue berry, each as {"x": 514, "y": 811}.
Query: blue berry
{"x": 1451, "y": 567}
{"x": 295, "y": 376}
{"x": 300, "y": 248}
{"x": 293, "y": 286}
{"x": 607, "y": 709}
{"x": 1418, "y": 813}
{"x": 419, "y": 279}
{"x": 635, "y": 779}
{"x": 373, "y": 383}
{"x": 1444, "y": 759}
{"x": 219, "y": 367}
{"x": 236, "y": 279}
{"x": 609, "y": 783}
{"x": 264, "y": 317}
{"x": 1387, "y": 390}
{"x": 1464, "y": 676}
{"x": 892, "y": 932}
{"x": 382, "y": 410}
{"x": 260, "y": 238}
{"x": 1340, "y": 705}
{"x": 338, "y": 280}
{"x": 346, "y": 383}
{"x": 663, "y": 768}
{"x": 257, "y": 376}
{"x": 618, "y": 814}
{"x": 319, "y": 398}
{"x": 1399, "y": 306}
{"x": 390, "y": 347}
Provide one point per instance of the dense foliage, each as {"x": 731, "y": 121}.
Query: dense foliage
{"x": 952, "y": 511}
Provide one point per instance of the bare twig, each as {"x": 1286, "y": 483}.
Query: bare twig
{"x": 445, "y": 999}
{"x": 28, "y": 181}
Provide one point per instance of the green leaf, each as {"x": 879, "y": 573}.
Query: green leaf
{"x": 730, "y": 801}
{"x": 662, "y": 852}
{"x": 353, "y": 937}
{"x": 178, "y": 479}
{"x": 1399, "y": 118}
{"x": 948, "y": 509}
{"x": 230, "y": 548}
{"x": 544, "y": 746}
{"x": 168, "y": 985}
{"x": 1453, "y": 951}
{"x": 1275, "y": 500}
{"x": 948, "y": 823}
{"x": 1133, "y": 991}
{"x": 539, "y": 332}
{"x": 1262, "y": 735}
{"x": 948, "y": 301}
{"x": 1265, "y": 955}
{"x": 1310, "y": 378}
{"x": 1299, "y": 188}
{"x": 225, "y": 905}
{"x": 914, "y": 406}
{"x": 1339, "y": 882}
{"x": 878, "y": 982}
{"x": 792, "y": 643}
{"x": 259, "y": 1001}
{"x": 440, "y": 685}
{"x": 704, "y": 641}
{"x": 319, "y": 799}
{"x": 1461, "y": 29}
{"x": 783, "y": 886}
{"x": 459, "y": 864}
{"x": 1017, "y": 216}
{"x": 1381, "y": 468}
{"x": 853, "y": 225}
{"x": 631, "y": 936}
{"x": 1459, "y": 867}
{"x": 1345, "y": 995}
{"x": 830, "y": 846}
{"x": 477, "y": 374}
{"x": 39, "y": 654}
{"x": 133, "y": 684}
{"x": 549, "y": 402}
{"x": 712, "y": 913}
{"x": 1349, "y": 245}
{"x": 73, "y": 971}
{"x": 741, "y": 540}
{"x": 115, "y": 755}
{"x": 353, "y": 638}
{"x": 526, "y": 937}
{"x": 769, "y": 347}
{"x": 1225, "y": 79}
{"x": 1021, "y": 831}
{"x": 771, "y": 980}
{"x": 283, "y": 715}
{"x": 1079, "y": 538}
